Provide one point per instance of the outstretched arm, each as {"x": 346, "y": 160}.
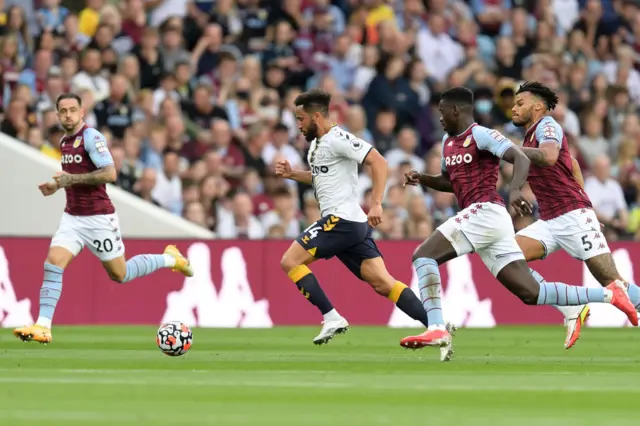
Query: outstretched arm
{"x": 283, "y": 170}
{"x": 440, "y": 182}
{"x": 101, "y": 176}
{"x": 302, "y": 176}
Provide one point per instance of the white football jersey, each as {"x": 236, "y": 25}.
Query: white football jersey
{"x": 334, "y": 160}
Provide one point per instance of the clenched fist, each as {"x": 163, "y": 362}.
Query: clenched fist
{"x": 411, "y": 178}
{"x": 283, "y": 169}
{"x": 48, "y": 188}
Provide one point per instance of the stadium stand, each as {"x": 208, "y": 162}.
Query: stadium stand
{"x": 196, "y": 97}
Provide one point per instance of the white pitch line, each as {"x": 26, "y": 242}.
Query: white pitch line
{"x": 428, "y": 386}
{"x": 297, "y": 373}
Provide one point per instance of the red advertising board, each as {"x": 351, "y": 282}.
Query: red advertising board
{"x": 240, "y": 284}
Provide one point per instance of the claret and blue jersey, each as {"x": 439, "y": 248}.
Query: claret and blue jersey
{"x": 85, "y": 152}
{"x": 472, "y": 161}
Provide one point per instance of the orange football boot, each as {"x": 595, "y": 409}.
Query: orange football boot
{"x": 35, "y": 333}
{"x": 620, "y": 300}
{"x": 439, "y": 337}
{"x": 182, "y": 263}
{"x": 574, "y": 326}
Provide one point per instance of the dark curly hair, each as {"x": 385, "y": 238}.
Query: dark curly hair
{"x": 314, "y": 100}
{"x": 540, "y": 90}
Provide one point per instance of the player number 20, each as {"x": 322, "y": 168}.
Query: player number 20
{"x": 586, "y": 243}
{"x": 103, "y": 246}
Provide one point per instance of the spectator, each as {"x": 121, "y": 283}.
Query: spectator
{"x": 90, "y": 76}
{"x": 407, "y": 143}
{"x": 145, "y": 184}
{"x": 280, "y": 145}
{"x": 168, "y": 189}
{"x": 240, "y": 221}
{"x": 283, "y": 214}
{"x": 607, "y": 197}
{"x": 196, "y": 98}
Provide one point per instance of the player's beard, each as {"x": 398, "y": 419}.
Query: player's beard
{"x": 70, "y": 127}
{"x": 312, "y": 132}
{"x": 522, "y": 120}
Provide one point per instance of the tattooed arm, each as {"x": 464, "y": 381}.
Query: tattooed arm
{"x": 549, "y": 135}
{"x": 96, "y": 146}
{"x": 545, "y": 156}
{"x": 101, "y": 176}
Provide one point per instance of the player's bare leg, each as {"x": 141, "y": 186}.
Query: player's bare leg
{"x": 294, "y": 262}
{"x": 574, "y": 316}
{"x": 57, "y": 261}
{"x": 532, "y": 249}
{"x": 123, "y": 271}
{"x": 517, "y": 278}
{"x": 435, "y": 251}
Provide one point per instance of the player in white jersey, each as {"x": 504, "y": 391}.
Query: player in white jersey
{"x": 344, "y": 230}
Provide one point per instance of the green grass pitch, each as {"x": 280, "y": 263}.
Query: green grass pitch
{"x": 515, "y": 376}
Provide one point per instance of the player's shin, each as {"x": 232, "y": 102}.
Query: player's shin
{"x": 49, "y": 294}
{"x": 408, "y": 302}
{"x": 309, "y": 287}
{"x": 568, "y": 312}
{"x": 145, "y": 264}
{"x": 571, "y": 295}
{"x": 567, "y": 295}
{"x": 430, "y": 289}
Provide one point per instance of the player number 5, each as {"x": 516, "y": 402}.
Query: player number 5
{"x": 102, "y": 246}
{"x": 587, "y": 244}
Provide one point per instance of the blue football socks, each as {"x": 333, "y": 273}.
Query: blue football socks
{"x": 634, "y": 295}
{"x": 430, "y": 289}
{"x": 145, "y": 264}
{"x": 49, "y": 294}
{"x": 569, "y": 295}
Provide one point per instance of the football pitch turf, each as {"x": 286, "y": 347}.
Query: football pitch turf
{"x": 515, "y": 376}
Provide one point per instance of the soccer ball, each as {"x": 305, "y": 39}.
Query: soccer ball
{"x": 174, "y": 338}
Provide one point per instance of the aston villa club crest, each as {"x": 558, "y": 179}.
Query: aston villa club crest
{"x": 467, "y": 142}
{"x": 77, "y": 142}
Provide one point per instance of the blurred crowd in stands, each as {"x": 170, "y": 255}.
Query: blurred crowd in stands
{"x": 196, "y": 97}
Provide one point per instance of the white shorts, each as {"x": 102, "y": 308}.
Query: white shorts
{"x": 101, "y": 233}
{"x": 487, "y": 229}
{"x": 578, "y": 232}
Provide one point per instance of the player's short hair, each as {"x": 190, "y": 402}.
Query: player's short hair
{"x": 68, "y": 96}
{"x": 541, "y": 91}
{"x": 460, "y": 96}
{"x": 316, "y": 100}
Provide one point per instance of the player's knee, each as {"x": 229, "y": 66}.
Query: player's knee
{"x": 382, "y": 287}
{"x": 59, "y": 261}
{"x": 422, "y": 251}
{"x": 287, "y": 263}
{"x": 529, "y": 296}
{"x": 116, "y": 276}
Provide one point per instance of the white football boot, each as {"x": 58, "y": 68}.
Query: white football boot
{"x": 331, "y": 328}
